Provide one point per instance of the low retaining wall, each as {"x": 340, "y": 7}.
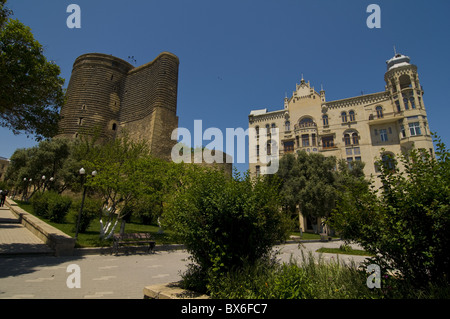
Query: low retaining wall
{"x": 170, "y": 291}
{"x": 61, "y": 243}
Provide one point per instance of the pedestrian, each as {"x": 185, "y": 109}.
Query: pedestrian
{"x": 3, "y": 197}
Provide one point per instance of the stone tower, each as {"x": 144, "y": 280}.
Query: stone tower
{"x": 406, "y": 94}
{"x": 109, "y": 96}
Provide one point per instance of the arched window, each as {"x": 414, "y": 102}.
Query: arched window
{"x": 355, "y": 138}
{"x": 269, "y": 147}
{"x": 273, "y": 127}
{"x": 325, "y": 120}
{"x": 287, "y": 126}
{"x": 344, "y": 117}
{"x": 347, "y": 139}
{"x": 351, "y": 115}
{"x": 379, "y": 110}
{"x": 257, "y": 130}
{"x": 114, "y": 127}
{"x": 306, "y": 122}
{"x": 405, "y": 81}
{"x": 397, "y": 104}
{"x": 405, "y": 101}
{"x": 267, "y": 128}
{"x": 413, "y": 104}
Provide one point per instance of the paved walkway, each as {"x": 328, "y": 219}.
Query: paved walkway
{"x": 103, "y": 275}
{"x": 16, "y": 239}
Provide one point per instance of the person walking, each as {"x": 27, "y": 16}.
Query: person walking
{"x": 3, "y": 194}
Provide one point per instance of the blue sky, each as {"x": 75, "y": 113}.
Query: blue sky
{"x": 236, "y": 56}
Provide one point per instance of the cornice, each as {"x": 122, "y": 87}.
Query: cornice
{"x": 359, "y": 100}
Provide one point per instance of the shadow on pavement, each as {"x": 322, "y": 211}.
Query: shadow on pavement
{"x": 19, "y": 265}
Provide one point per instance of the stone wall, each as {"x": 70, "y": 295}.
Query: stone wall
{"x": 108, "y": 95}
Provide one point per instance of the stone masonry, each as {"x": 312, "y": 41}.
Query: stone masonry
{"x": 109, "y": 96}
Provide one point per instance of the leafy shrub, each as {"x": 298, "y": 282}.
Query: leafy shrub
{"x": 58, "y": 207}
{"x": 346, "y": 248}
{"x": 406, "y": 223}
{"x": 225, "y": 222}
{"x": 91, "y": 209}
{"x": 51, "y": 205}
{"x": 39, "y": 204}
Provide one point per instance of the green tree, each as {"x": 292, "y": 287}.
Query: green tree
{"x": 225, "y": 221}
{"x": 47, "y": 159}
{"x": 119, "y": 178}
{"x": 406, "y": 223}
{"x": 308, "y": 181}
{"x": 31, "y": 90}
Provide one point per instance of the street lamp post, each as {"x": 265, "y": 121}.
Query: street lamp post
{"x": 43, "y": 183}
{"x": 82, "y": 172}
{"x": 25, "y": 188}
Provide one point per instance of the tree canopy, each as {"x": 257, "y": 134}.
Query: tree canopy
{"x": 406, "y": 223}
{"x": 308, "y": 181}
{"x": 31, "y": 90}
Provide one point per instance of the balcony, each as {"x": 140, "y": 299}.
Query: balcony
{"x": 328, "y": 148}
{"x": 374, "y": 119}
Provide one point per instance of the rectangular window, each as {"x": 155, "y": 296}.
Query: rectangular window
{"x": 289, "y": 146}
{"x": 313, "y": 139}
{"x": 258, "y": 170}
{"x": 403, "y": 131}
{"x": 358, "y": 158}
{"x": 327, "y": 142}
{"x": 397, "y": 104}
{"x": 349, "y": 162}
{"x": 347, "y": 139}
{"x": 414, "y": 129}
{"x": 356, "y": 151}
{"x": 383, "y": 135}
{"x": 348, "y": 151}
{"x": 305, "y": 140}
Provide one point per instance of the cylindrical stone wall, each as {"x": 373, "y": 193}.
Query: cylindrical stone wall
{"x": 94, "y": 95}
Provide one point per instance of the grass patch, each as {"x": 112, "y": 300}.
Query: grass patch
{"x": 91, "y": 238}
{"x": 307, "y": 236}
{"x": 312, "y": 278}
{"x": 344, "y": 251}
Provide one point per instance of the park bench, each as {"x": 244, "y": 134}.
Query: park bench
{"x": 133, "y": 239}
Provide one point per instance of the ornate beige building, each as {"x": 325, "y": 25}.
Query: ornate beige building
{"x": 362, "y": 128}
